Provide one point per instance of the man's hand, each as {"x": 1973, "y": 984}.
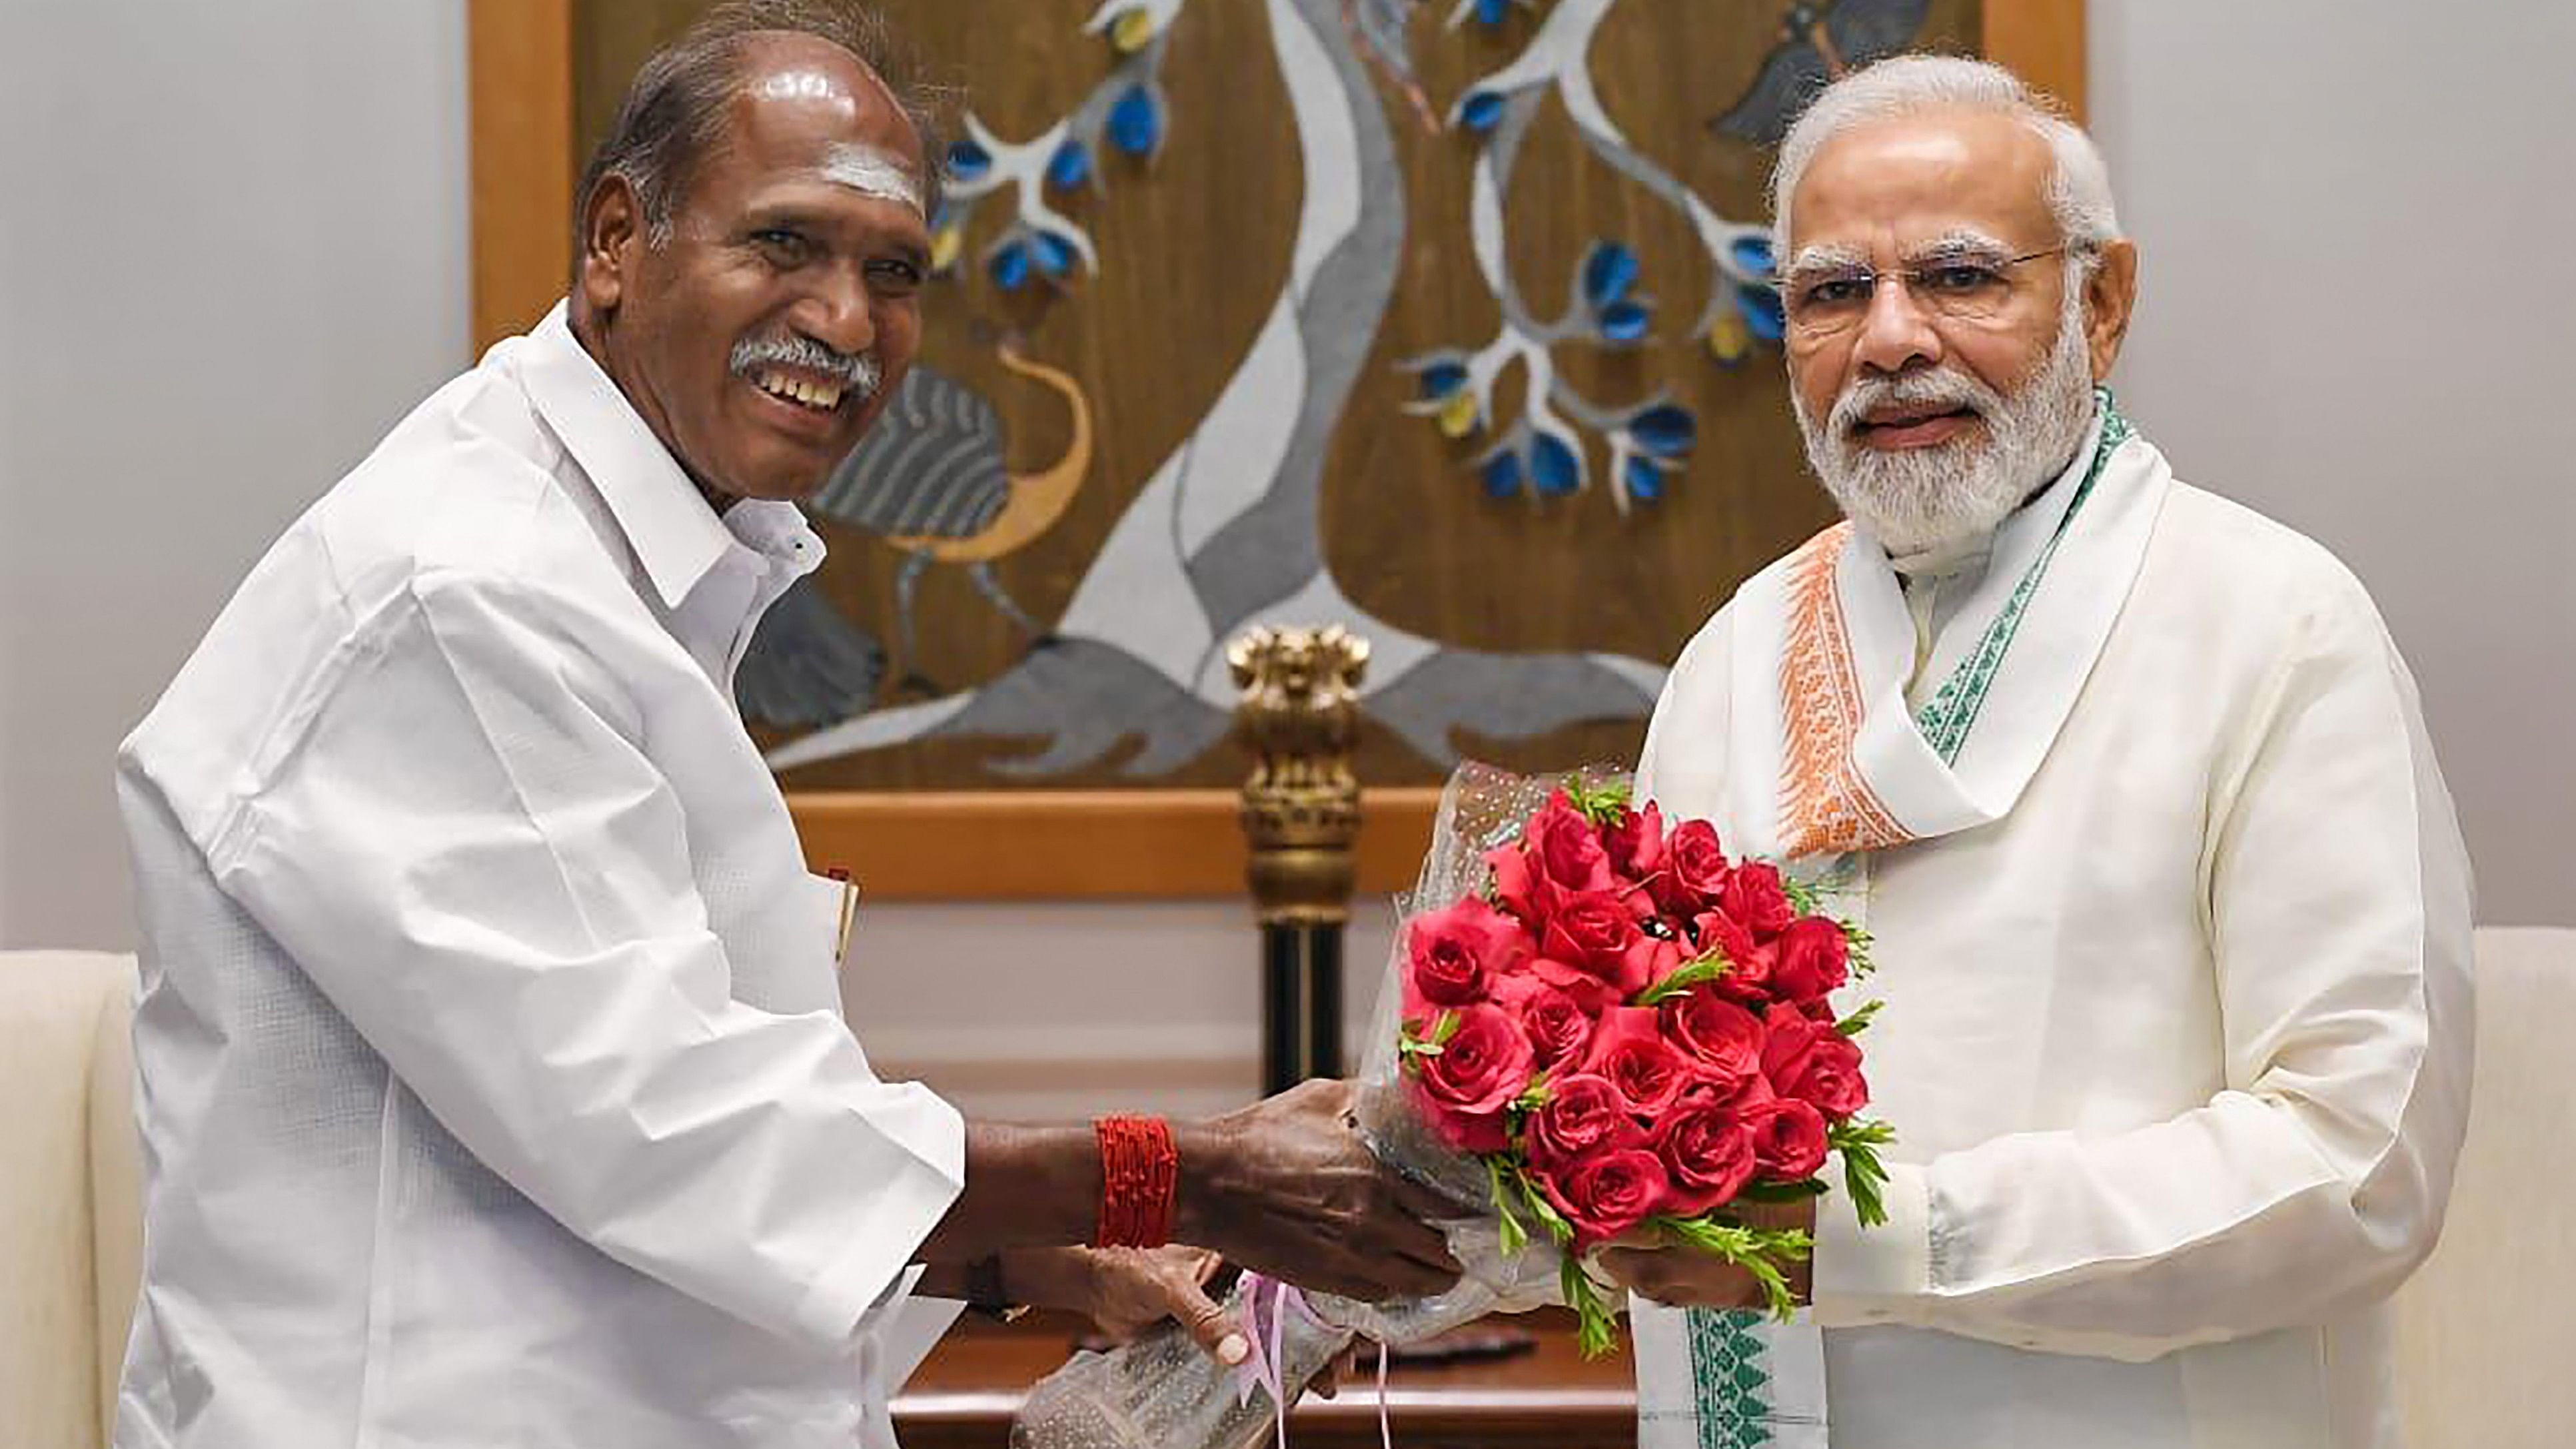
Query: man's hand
{"x": 1286, "y": 1187}
{"x": 1128, "y": 1290}
{"x": 1651, "y": 1267}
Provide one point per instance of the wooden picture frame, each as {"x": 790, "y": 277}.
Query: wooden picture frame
{"x": 966, "y": 845}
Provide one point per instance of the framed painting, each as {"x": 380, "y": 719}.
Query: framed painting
{"x": 1440, "y": 321}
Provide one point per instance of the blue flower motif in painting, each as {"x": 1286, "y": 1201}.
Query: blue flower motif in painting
{"x": 1556, "y": 469}
{"x": 1762, "y": 312}
{"x": 968, "y": 161}
{"x": 1136, "y": 122}
{"x": 1071, "y": 166}
{"x": 1608, "y": 279}
{"x": 1482, "y": 111}
{"x": 1010, "y": 266}
{"x": 1652, "y": 441}
{"x": 1609, "y": 271}
{"x": 1052, "y": 253}
{"x": 1665, "y": 430}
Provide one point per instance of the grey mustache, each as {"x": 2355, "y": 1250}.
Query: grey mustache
{"x": 1942, "y": 388}
{"x": 855, "y": 371}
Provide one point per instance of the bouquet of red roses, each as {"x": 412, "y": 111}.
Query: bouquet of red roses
{"x": 1591, "y": 1026}
{"x": 1628, "y": 1031}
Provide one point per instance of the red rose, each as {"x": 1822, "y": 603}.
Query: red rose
{"x": 1595, "y": 932}
{"x": 1590, "y": 994}
{"x": 1788, "y": 1138}
{"x": 1628, "y": 1047}
{"x": 1709, "y": 1155}
{"x": 1694, "y": 869}
{"x": 1752, "y": 896}
{"x": 1568, "y": 848}
{"x": 1560, "y": 1031}
{"x": 1814, "y": 959}
{"x": 1584, "y": 1117}
{"x": 1812, "y": 1062}
{"x": 1476, "y": 1074}
{"x": 1635, "y": 843}
{"x": 1748, "y": 961}
{"x": 1723, "y": 1039}
{"x": 1606, "y": 1194}
{"x": 1521, "y": 886}
{"x": 1589, "y": 929}
{"x": 1453, "y": 956}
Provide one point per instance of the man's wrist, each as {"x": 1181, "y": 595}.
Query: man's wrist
{"x": 1207, "y": 1160}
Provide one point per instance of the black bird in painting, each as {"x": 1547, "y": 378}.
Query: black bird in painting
{"x": 1818, "y": 44}
{"x": 930, "y": 481}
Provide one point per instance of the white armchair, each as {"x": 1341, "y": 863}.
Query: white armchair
{"x": 2486, "y": 1327}
{"x": 70, "y": 1181}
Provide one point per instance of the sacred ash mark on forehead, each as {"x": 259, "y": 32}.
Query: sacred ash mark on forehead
{"x": 873, "y": 172}
{"x": 800, "y": 85}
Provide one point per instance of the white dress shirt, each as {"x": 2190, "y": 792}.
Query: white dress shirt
{"x": 2177, "y": 1051}
{"x": 493, "y": 1084}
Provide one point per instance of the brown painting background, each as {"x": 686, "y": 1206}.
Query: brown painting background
{"x": 1194, "y": 251}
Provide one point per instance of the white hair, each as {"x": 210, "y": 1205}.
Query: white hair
{"x": 2079, "y": 184}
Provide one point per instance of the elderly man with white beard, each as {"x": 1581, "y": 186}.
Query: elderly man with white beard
{"x": 2130, "y": 786}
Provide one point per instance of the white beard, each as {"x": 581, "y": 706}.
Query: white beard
{"x": 1915, "y": 499}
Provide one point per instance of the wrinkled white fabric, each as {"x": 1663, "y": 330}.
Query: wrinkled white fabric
{"x": 494, "y": 1089}
{"x": 2177, "y": 1050}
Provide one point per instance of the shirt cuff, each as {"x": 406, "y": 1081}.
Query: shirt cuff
{"x": 1867, "y": 1276}
{"x": 885, "y": 1241}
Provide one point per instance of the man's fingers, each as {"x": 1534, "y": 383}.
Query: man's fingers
{"x": 1705, "y": 1284}
{"x": 1426, "y": 1249}
{"x": 1208, "y": 1322}
{"x": 1631, "y": 1268}
{"x": 1418, "y": 1201}
{"x": 1203, "y": 1269}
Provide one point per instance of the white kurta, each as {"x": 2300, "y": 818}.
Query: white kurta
{"x": 494, "y": 1088}
{"x": 2177, "y": 1050}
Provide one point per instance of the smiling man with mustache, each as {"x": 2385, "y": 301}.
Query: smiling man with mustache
{"x": 493, "y": 1082}
{"x": 2172, "y": 919}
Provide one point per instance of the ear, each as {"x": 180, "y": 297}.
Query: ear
{"x": 2110, "y": 295}
{"x": 612, "y": 236}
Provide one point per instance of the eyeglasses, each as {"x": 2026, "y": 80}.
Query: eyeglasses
{"x": 1827, "y": 300}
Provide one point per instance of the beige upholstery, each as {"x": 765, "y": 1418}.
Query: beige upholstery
{"x": 70, "y": 1174}
{"x": 2486, "y": 1329}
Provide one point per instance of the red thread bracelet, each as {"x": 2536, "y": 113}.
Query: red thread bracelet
{"x": 1140, "y": 1180}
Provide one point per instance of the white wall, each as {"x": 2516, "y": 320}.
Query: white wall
{"x": 232, "y": 252}
{"x": 2358, "y": 315}
{"x": 1128, "y": 1007}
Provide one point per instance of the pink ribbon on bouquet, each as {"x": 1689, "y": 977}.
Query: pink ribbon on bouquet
{"x": 1267, "y": 1302}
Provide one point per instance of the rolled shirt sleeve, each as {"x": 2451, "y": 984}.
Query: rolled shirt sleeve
{"x": 460, "y": 839}
{"x": 2339, "y": 918}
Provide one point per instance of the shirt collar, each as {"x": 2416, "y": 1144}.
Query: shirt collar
{"x": 675, "y": 535}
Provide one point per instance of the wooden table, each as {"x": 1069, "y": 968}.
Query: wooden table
{"x": 964, "y": 1395}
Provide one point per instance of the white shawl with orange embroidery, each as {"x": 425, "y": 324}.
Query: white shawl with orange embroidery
{"x": 1826, "y": 757}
